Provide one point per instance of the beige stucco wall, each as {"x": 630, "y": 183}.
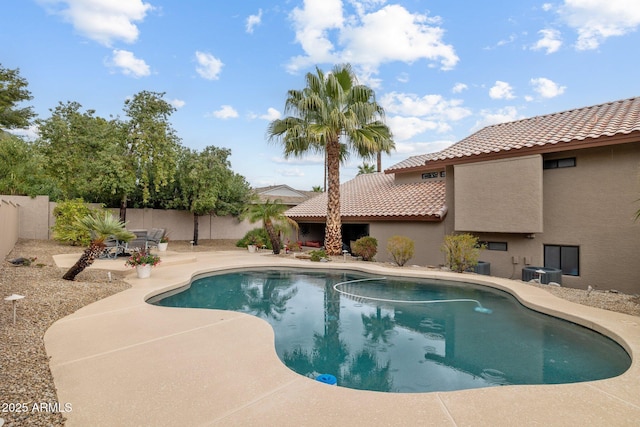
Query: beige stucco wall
{"x": 33, "y": 216}
{"x": 8, "y": 226}
{"x": 592, "y": 206}
{"x": 35, "y": 219}
{"x": 502, "y": 196}
{"x": 410, "y": 177}
{"x": 427, "y": 237}
{"x": 179, "y": 224}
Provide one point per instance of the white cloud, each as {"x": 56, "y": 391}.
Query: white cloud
{"x": 501, "y": 90}
{"x": 177, "y": 103}
{"x": 104, "y": 21}
{"x": 312, "y": 159}
{"x": 414, "y": 115}
{"x": 367, "y": 39}
{"x": 493, "y": 117}
{"x": 432, "y": 106}
{"x": 549, "y": 41}
{"x": 547, "y": 88}
{"x": 129, "y": 65}
{"x": 394, "y": 34}
{"x": 312, "y": 24}
{"x": 405, "y": 149}
{"x": 253, "y": 21}
{"x": 404, "y": 128}
{"x": 209, "y": 67}
{"x": 459, "y": 87}
{"x": 597, "y": 20}
{"x": 272, "y": 114}
{"x": 296, "y": 172}
{"x": 31, "y": 133}
{"x": 403, "y": 78}
{"x": 547, "y": 7}
{"x": 226, "y": 112}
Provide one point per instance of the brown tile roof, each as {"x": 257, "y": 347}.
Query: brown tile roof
{"x": 552, "y": 132}
{"x": 375, "y": 196}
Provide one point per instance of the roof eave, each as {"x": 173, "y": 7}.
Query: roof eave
{"x": 559, "y": 146}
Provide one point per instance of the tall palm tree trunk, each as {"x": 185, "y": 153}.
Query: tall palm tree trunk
{"x": 273, "y": 236}
{"x": 333, "y": 236}
{"x": 86, "y": 259}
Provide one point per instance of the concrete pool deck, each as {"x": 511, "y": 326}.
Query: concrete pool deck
{"x": 123, "y": 362}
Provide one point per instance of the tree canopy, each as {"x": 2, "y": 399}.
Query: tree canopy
{"x": 206, "y": 185}
{"x": 13, "y": 91}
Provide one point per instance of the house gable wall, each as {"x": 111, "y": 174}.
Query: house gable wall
{"x": 499, "y": 196}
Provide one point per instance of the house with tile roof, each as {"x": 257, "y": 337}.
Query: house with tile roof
{"x": 556, "y": 191}
{"x": 285, "y": 194}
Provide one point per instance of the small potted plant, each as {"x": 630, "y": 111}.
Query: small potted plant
{"x": 142, "y": 261}
{"x": 254, "y": 243}
{"x": 164, "y": 242}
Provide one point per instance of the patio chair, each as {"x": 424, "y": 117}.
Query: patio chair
{"x": 113, "y": 248}
{"x": 140, "y": 241}
{"x": 154, "y": 236}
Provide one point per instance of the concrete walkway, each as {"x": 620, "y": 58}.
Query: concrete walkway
{"x": 123, "y": 362}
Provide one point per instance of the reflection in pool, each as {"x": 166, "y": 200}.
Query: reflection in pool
{"x": 358, "y": 333}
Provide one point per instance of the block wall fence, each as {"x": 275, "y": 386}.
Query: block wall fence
{"x": 23, "y": 217}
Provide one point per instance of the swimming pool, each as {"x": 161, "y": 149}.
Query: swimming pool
{"x": 360, "y": 333}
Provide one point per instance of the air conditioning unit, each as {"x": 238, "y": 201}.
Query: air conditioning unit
{"x": 543, "y": 274}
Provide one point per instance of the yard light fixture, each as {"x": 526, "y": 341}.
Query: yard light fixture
{"x": 14, "y": 298}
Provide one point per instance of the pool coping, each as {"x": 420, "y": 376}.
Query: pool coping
{"x": 122, "y": 361}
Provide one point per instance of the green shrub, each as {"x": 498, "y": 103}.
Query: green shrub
{"x": 366, "y": 247}
{"x": 462, "y": 251}
{"x": 257, "y": 236}
{"x": 66, "y": 229}
{"x": 317, "y": 255}
{"x": 401, "y": 249}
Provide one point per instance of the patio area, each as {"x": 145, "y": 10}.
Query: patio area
{"x": 121, "y": 361}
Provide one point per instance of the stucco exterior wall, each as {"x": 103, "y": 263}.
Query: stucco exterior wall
{"x": 499, "y": 196}
{"x": 592, "y": 206}
{"x": 33, "y": 216}
{"x": 427, "y": 236}
{"x": 34, "y": 219}
{"x": 179, "y": 224}
{"x": 8, "y": 226}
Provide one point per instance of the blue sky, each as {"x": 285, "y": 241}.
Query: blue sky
{"x": 442, "y": 69}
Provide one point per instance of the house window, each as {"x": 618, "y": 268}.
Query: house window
{"x": 495, "y": 246}
{"x": 569, "y": 162}
{"x": 566, "y": 258}
{"x": 430, "y": 175}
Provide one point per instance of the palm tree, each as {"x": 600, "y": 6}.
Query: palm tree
{"x": 101, "y": 225}
{"x": 317, "y": 189}
{"x": 366, "y": 168}
{"x": 332, "y": 108}
{"x": 271, "y": 213}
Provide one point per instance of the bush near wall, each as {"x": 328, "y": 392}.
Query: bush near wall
{"x": 66, "y": 228}
{"x": 462, "y": 251}
{"x": 366, "y": 247}
{"x": 401, "y": 248}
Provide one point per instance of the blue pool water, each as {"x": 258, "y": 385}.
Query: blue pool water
{"x": 406, "y": 335}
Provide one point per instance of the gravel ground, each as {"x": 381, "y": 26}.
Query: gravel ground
{"x": 25, "y": 379}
